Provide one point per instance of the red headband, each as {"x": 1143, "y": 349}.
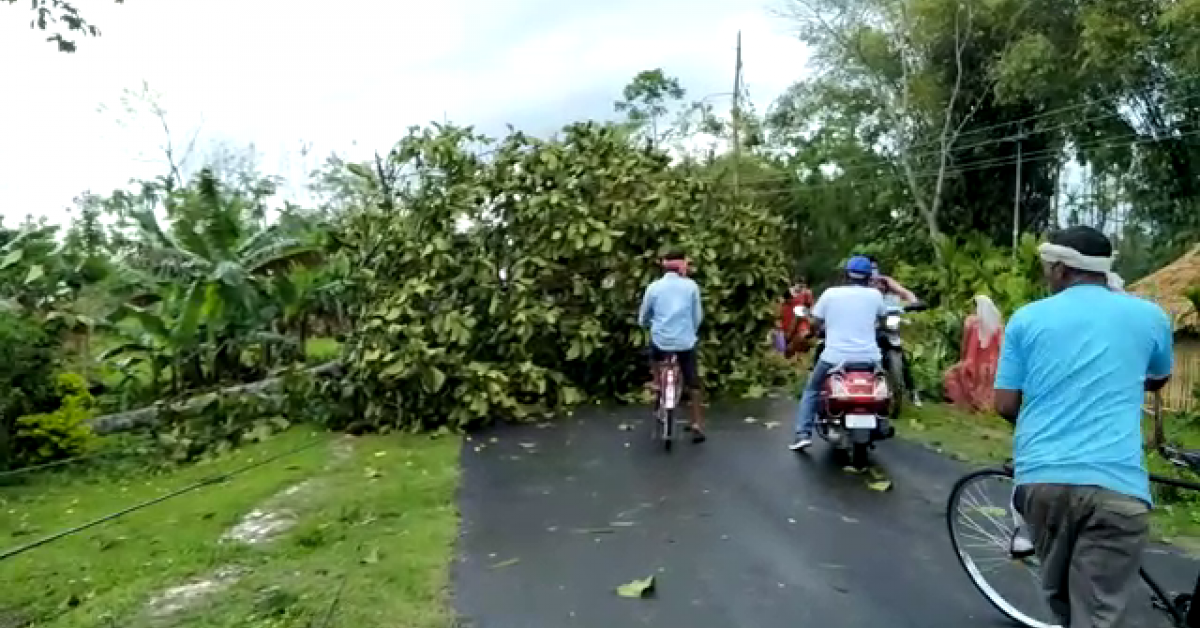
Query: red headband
{"x": 675, "y": 265}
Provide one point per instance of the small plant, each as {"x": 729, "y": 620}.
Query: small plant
{"x": 63, "y": 433}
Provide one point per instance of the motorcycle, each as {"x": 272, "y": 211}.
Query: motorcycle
{"x": 891, "y": 345}
{"x": 853, "y": 412}
{"x": 859, "y": 401}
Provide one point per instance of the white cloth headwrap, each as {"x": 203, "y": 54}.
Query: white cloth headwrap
{"x": 989, "y": 319}
{"x": 1067, "y": 256}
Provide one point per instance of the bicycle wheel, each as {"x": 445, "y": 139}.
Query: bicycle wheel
{"x": 982, "y": 526}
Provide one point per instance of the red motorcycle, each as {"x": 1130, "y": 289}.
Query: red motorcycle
{"x": 854, "y": 410}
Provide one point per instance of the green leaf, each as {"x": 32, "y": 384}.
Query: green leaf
{"x": 392, "y": 371}
{"x": 35, "y": 272}
{"x": 359, "y": 170}
{"x": 13, "y": 257}
{"x": 637, "y": 589}
{"x": 432, "y": 379}
{"x": 192, "y": 309}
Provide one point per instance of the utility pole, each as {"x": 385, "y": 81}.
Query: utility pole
{"x": 737, "y": 116}
{"x": 1017, "y": 201}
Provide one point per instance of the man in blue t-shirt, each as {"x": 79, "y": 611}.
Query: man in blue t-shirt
{"x": 1073, "y": 373}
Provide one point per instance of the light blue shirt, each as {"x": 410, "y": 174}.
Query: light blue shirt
{"x": 671, "y": 308}
{"x": 1080, "y": 359}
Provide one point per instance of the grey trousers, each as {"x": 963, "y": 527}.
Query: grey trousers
{"x": 1090, "y": 543}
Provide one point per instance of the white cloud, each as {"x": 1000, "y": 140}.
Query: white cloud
{"x": 349, "y": 76}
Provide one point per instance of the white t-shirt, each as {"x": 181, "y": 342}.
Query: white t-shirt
{"x": 850, "y": 314}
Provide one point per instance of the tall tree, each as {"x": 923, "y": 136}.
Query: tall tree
{"x": 647, "y": 98}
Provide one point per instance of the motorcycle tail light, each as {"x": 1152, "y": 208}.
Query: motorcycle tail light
{"x": 837, "y": 387}
{"x": 881, "y": 389}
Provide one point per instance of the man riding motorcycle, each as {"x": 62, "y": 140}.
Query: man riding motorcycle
{"x": 898, "y": 296}
{"x": 849, "y": 314}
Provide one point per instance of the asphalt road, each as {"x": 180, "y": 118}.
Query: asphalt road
{"x": 738, "y": 531}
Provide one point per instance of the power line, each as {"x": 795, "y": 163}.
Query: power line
{"x": 968, "y": 166}
{"x": 851, "y": 166}
{"x": 1129, "y": 140}
{"x": 56, "y": 463}
{"x": 216, "y": 479}
{"x": 1065, "y": 109}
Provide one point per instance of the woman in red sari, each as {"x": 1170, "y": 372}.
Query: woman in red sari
{"x": 795, "y": 333}
{"x": 969, "y": 384}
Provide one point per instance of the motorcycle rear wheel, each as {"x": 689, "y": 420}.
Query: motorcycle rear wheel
{"x": 859, "y": 455}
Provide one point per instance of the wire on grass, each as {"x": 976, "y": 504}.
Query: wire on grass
{"x": 216, "y": 479}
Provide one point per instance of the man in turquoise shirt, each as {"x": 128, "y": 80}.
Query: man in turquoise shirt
{"x": 671, "y": 309}
{"x": 1073, "y": 373}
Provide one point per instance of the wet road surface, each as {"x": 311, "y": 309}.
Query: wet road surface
{"x": 739, "y": 531}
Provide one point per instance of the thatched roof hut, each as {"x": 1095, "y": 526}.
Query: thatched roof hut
{"x": 1169, "y": 288}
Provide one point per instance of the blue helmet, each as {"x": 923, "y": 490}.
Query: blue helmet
{"x": 858, "y": 267}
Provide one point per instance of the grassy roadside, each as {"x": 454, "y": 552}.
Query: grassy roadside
{"x": 375, "y": 518}
{"x": 985, "y": 439}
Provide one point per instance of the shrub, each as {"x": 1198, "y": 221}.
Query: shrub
{"x": 63, "y": 433}
{"x": 507, "y": 288}
{"x": 27, "y": 361}
{"x": 970, "y": 267}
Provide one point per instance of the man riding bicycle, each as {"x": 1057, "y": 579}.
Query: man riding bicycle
{"x": 849, "y": 314}
{"x": 1073, "y": 373}
{"x": 671, "y": 309}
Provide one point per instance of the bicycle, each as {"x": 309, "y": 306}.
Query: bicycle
{"x": 667, "y": 403}
{"x": 968, "y": 490}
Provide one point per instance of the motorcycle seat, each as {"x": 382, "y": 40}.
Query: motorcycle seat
{"x": 858, "y": 367}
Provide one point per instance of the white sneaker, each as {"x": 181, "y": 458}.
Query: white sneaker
{"x": 801, "y": 443}
{"x": 1021, "y": 546}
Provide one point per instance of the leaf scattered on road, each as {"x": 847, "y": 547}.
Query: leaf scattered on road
{"x": 622, "y": 524}
{"x": 849, "y": 519}
{"x": 625, "y": 427}
{"x": 771, "y": 425}
{"x": 594, "y": 530}
{"x": 506, "y": 563}
{"x": 637, "y": 588}
{"x": 750, "y": 419}
{"x": 880, "y": 485}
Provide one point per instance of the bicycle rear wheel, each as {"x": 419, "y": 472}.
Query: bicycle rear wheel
{"x": 982, "y": 525}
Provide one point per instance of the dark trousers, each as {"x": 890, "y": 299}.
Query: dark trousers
{"x": 1090, "y": 542}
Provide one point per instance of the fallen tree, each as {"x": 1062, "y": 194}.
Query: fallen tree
{"x": 143, "y": 417}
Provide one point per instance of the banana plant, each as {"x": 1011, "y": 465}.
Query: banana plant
{"x": 213, "y": 269}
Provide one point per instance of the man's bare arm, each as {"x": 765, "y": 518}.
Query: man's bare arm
{"x": 900, "y": 291}
{"x": 1008, "y": 404}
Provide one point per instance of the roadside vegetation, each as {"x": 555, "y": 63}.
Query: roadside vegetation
{"x": 459, "y": 280}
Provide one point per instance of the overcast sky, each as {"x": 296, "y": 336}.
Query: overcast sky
{"x": 347, "y": 76}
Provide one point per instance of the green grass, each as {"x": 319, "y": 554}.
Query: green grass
{"x": 382, "y": 519}
{"x": 976, "y": 438}
{"x": 987, "y": 439}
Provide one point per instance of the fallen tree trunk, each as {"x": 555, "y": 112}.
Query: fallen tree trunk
{"x": 132, "y": 419}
